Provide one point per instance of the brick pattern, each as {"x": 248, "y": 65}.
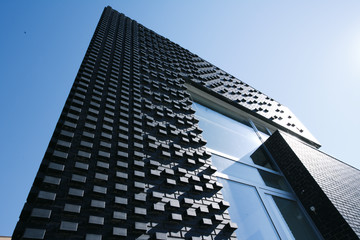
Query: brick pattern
{"x": 322, "y": 183}
{"x": 230, "y": 89}
{"x": 127, "y": 159}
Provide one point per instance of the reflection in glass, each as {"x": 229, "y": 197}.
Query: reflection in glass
{"x": 225, "y": 134}
{"x": 247, "y": 210}
{"x": 292, "y": 220}
{"x": 261, "y": 158}
{"x": 248, "y": 173}
{"x": 263, "y": 135}
{"x": 256, "y": 212}
{"x": 262, "y": 131}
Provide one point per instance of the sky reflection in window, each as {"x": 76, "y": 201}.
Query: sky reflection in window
{"x": 225, "y": 134}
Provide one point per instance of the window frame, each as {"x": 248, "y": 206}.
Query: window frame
{"x": 237, "y": 114}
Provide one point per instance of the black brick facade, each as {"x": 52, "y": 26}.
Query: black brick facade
{"x": 328, "y": 189}
{"x": 127, "y": 159}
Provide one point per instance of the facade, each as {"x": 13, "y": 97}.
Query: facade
{"x": 156, "y": 143}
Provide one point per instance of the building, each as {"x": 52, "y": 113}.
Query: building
{"x": 156, "y": 143}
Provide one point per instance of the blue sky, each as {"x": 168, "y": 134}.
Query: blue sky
{"x": 304, "y": 54}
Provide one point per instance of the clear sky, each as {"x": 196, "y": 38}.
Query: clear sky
{"x": 304, "y": 54}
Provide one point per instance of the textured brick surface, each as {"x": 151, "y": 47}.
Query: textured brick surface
{"x": 127, "y": 159}
{"x": 320, "y": 181}
{"x": 127, "y": 156}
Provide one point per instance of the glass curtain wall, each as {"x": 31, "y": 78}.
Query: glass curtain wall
{"x": 261, "y": 202}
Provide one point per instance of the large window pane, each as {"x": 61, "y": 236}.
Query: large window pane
{"x": 247, "y": 210}
{"x": 225, "y": 134}
{"x": 258, "y": 214}
{"x": 291, "y": 219}
{"x": 248, "y": 173}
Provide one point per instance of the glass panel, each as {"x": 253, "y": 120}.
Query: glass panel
{"x": 248, "y": 212}
{"x": 248, "y": 173}
{"x": 225, "y": 134}
{"x": 291, "y": 218}
{"x": 261, "y": 158}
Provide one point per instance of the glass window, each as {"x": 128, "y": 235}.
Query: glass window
{"x": 247, "y": 210}
{"x": 259, "y": 212}
{"x": 261, "y": 158}
{"x": 291, "y": 218}
{"x": 242, "y": 171}
{"x": 225, "y": 134}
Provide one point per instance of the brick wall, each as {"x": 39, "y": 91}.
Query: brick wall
{"x": 127, "y": 158}
{"x": 322, "y": 183}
